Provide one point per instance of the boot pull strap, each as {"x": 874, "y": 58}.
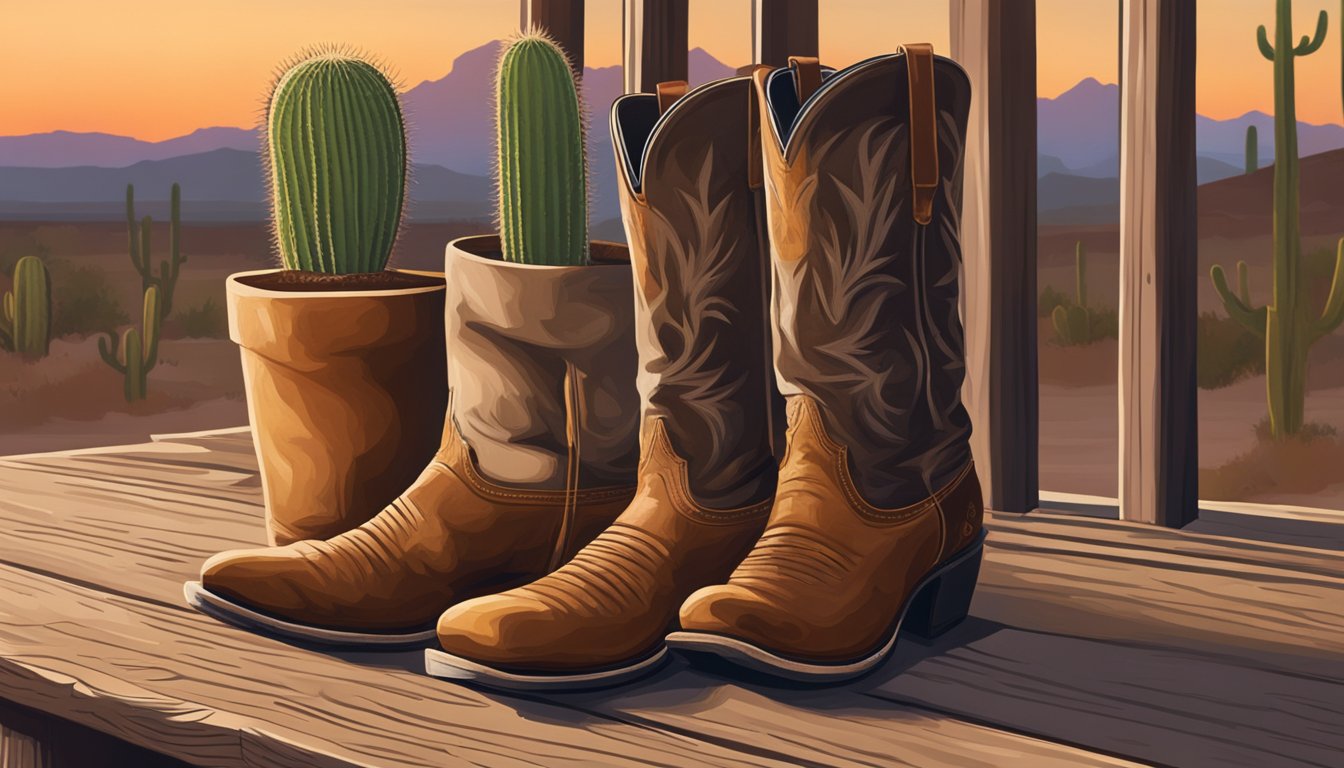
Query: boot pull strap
{"x": 669, "y": 92}
{"x": 755, "y": 163}
{"x": 806, "y": 75}
{"x": 923, "y": 129}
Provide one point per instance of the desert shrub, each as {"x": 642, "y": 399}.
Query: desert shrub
{"x": 1226, "y": 352}
{"x": 1311, "y": 431}
{"x": 83, "y": 301}
{"x": 1049, "y": 299}
{"x": 206, "y": 321}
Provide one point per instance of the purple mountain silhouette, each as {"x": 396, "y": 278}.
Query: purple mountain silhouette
{"x": 64, "y": 149}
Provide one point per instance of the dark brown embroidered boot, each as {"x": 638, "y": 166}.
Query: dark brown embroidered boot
{"x": 538, "y": 456}
{"x": 707, "y": 472}
{"x": 876, "y": 524}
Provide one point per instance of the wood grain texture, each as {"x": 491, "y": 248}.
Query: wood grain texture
{"x": 996, "y": 43}
{"x": 783, "y": 28}
{"x": 655, "y": 40}
{"x": 104, "y": 639}
{"x": 1159, "y": 445}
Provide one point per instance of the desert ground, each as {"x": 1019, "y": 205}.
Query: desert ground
{"x": 72, "y": 400}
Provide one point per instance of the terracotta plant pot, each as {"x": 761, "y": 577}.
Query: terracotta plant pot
{"x": 346, "y": 393}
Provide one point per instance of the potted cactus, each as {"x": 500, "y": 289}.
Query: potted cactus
{"x": 25, "y": 325}
{"x": 343, "y": 359}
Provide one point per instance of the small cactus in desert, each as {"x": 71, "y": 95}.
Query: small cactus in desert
{"x": 541, "y": 166}
{"x": 26, "y": 322}
{"x": 136, "y": 353}
{"x": 1073, "y": 324}
{"x": 336, "y": 148}
{"x": 1252, "y": 149}
{"x": 138, "y": 235}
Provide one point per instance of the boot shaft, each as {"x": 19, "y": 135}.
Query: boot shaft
{"x": 696, "y": 230}
{"x": 863, "y": 188}
{"x": 542, "y": 369}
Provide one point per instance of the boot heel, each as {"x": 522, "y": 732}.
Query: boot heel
{"x": 944, "y": 601}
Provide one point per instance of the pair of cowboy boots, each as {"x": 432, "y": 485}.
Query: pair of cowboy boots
{"x": 870, "y": 524}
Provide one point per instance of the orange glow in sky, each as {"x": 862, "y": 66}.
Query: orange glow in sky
{"x": 170, "y": 66}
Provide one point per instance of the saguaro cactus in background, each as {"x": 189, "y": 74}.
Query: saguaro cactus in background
{"x": 138, "y": 350}
{"x": 139, "y": 234}
{"x": 543, "y": 172}
{"x": 336, "y": 146}
{"x": 1073, "y": 325}
{"x": 1287, "y": 324}
{"x": 26, "y": 323}
{"x": 1252, "y": 149}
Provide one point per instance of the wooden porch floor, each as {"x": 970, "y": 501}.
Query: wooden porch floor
{"x": 1092, "y": 642}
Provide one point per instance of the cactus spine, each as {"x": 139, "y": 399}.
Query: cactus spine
{"x": 26, "y": 322}
{"x": 1073, "y": 325}
{"x": 1286, "y": 323}
{"x": 336, "y": 146}
{"x": 1252, "y": 149}
{"x": 139, "y": 241}
{"x": 137, "y": 352}
{"x": 543, "y": 174}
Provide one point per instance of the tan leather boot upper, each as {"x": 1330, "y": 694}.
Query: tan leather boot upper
{"x": 617, "y": 599}
{"x": 453, "y": 535}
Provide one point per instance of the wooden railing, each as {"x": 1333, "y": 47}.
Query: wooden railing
{"x": 996, "y": 42}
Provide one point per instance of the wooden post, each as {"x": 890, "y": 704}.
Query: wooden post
{"x": 562, "y": 20}
{"x": 996, "y": 43}
{"x": 783, "y": 28}
{"x": 655, "y": 41}
{"x": 1159, "y": 476}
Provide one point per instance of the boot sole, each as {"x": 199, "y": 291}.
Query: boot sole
{"x": 446, "y": 666}
{"x": 941, "y": 605}
{"x": 230, "y": 612}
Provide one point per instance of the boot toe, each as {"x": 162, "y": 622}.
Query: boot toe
{"x": 739, "y": 612}
{"x": 269, "y": 579}
{"x": 502, "y": 629}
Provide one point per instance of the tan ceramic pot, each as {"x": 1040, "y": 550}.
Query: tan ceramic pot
{"x": 346, "y": 393}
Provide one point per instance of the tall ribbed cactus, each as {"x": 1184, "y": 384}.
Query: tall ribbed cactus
{"x": 336, "y": 146}
{"x": 26, "y": 322}
{"x": 139, "y": 234}
{"x": 1252, "y": 149}
{"x": 137, "y": 352}
{"x": 543, "y": 173}
{"x": 1287, "y": 324}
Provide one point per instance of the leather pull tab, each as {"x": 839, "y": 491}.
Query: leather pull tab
{"x": 669, "y": 92}
{"x": 924, "y": 174}
{"x": 755, "y": 162}
{"x": 806, "y": 75}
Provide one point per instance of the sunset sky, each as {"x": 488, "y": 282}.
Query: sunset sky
{"x": 168, "y": 67}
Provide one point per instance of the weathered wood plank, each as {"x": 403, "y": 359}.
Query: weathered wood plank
{"x": 655, "y": 40}
{"x": 1166, "y": 706}
{"x": 783, "y": 28}
{"x": 32, "y": 739}
{"x": 1159, "y": 435}
{"x": 996, "y": 43}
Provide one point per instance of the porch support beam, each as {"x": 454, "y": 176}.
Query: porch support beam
{"x": 783, "y": 28}
{"x": 1158, "y": 241}
{"x": 563, "y": 21}
{"x": 996, "y": 43}
{"x": 655, "y": 41}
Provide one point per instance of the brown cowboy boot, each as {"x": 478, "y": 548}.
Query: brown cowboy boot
{"x": 538, "y": 457}
{"x": 876, "y": 524}
{"x": 707, "y": 471}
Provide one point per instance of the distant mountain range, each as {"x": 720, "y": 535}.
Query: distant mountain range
{"x": 451, "y": 138}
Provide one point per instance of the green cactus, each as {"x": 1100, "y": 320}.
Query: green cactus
{"x": 1286, "y": 324}
{"x": 139, "y": 242}
{"x": 336, "y": 146}
{"x": 543, "y": 174}
{"x": 137, "y": 352}
{"x": 1073, "y": 324}
{"x": 26, "y": 321}
{"x": 1252, "y": 149}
